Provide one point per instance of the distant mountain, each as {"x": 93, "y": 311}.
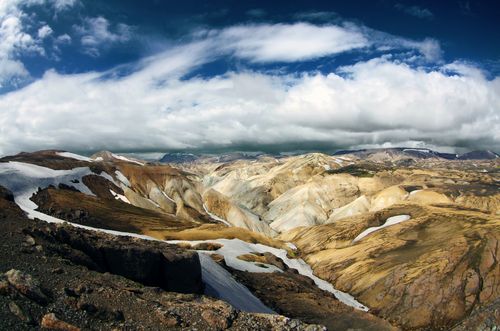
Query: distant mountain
{"x": 399, "y": 154}
{"x": 479, "y": 155}
{"x": 227, "y": 157}
{"x": 179, "y": 158}
{"x": 417, "y": 153}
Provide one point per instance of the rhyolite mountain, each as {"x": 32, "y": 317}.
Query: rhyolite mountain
{"x": 244, "y": 241}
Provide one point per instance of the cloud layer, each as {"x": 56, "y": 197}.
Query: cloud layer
{"x": 384, "y": 100}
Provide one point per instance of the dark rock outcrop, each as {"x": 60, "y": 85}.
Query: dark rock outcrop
{"x": 150, "y": 263}
{"x": 5, "y": 194}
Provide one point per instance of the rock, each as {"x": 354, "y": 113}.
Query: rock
{"x": 215, "y": 320}
{"x": 50, "y": 321}
{"x": 167, "y": 319}
{"x": 81, "y": 289}
{"x": 71, "y": 292}
{"x": 217, "y": 258}
{"x": 207, "y": 246}
{"x": 62, "y": 186}
{"x": 149, "y": 263}
{"x": 30, "y": 240}
{"x": 276, "y": 261}
{"x": 16, "y": 310}
{"x": 88, "y": 307}
{"x": 26, "y": 285}
{"x": 4, "y": 287}
{"x": 6, "y": 194}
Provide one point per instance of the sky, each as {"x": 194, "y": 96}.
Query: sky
{"x": 159, "y": 76}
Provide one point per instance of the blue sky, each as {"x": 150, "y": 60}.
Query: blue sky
{"x": 260, "y": 75}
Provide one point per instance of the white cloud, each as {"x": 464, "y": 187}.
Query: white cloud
{"x": 63, "y": 39}
{"x": 98, "y": 33}
{"x": 44, "y": 32}
{"x": 369, "y": 103}
{"x": 289, "y": 42}
{"x": 265, "y": 43}
{"x": 62, "y": 5}
{"x": 15, "y": 41}
{"x": 416, "y": 11}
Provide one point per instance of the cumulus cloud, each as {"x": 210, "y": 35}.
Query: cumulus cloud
{"x": 44, "y": 32}
{"x": 97, "y": 33}
{"x": 63, "y": 39}
{"x": 16, "y": 41}
{"x": 369, "y": 103}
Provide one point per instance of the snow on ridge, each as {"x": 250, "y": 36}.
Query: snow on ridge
{"x": 120, "y": 197}
{"x": 215, "y": 217}
{"x": 74, "y": 156}
{"x": 24, "y": 180}
{"x": 126, "y": 159}
{"x": 416, "y": 150}
{"x": 121, "y": 177}
{"x": 166, "y": 196}
{"x": 232, "y": 248}
{"x": 390, "y": 221}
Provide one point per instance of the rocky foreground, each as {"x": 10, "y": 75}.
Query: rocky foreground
{"x": 65, "y": 278}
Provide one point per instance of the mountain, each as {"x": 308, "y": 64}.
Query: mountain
{"x": 210, "y": 158}
{"x": 178, "y": 158}
{"x": 417, "y": 153}
{"x": 346, "y": 241}
{"x": 479, "y": 155}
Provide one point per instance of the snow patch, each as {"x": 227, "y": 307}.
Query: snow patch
{"x": 126, "y": 159}
{"x": 121, "y": 177}
{"x": 390, "y": 221}
{"x": 24, "y": 180}
{"x": 74, "y": 156}
{"x": 221, "y": 284}
{"x": 119, "y": 197}
{"x": 108, "y": 177}
{"x": 232, "y": 248}
{"x": 416, "y": 150}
